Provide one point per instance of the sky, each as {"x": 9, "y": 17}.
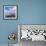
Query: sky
{"x": 10, "y": 9}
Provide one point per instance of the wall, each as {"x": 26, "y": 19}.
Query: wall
{"x": 7, "y": 26}
{"x": 33, "y": 11}
{"x": 29, "y": 12}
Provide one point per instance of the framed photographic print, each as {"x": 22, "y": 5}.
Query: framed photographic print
{"x": 10, "y": 12}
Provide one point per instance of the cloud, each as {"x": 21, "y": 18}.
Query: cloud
{"x": 11, "y": 10}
